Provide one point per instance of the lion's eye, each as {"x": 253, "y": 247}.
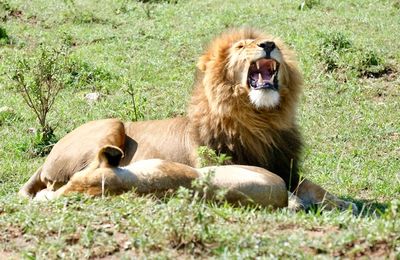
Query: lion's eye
{"x": 240, "y": 46}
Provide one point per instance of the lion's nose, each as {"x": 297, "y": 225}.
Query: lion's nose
{"x": 267, "y": 46}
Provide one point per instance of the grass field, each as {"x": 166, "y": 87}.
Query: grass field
{"x": 349, "y": 52}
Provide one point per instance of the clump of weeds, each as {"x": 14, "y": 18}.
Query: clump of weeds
{"x": 39, "y": 78}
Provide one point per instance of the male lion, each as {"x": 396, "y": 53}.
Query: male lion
{"x": 243, "y": 104}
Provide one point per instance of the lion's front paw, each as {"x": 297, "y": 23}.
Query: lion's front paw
{"x": 295, "y": 203}
{"x": 346, "y": 205}
{"x": 45, "y": 195}
{"x": 332, "y": 202}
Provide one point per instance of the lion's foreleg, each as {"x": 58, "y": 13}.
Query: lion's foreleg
{"x": 311, "y": 193}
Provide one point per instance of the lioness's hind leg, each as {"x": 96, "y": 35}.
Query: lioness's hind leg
{"x": 75, "y": 152}
{"x": 248, "y": 185}
{"x": 33, "y": 185}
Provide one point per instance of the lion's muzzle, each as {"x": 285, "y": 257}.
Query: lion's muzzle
{"x": 268, "y": 48}
{"x": 263, "y": 72}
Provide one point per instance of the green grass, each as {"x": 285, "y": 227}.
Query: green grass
{"x": 349, "y": 53}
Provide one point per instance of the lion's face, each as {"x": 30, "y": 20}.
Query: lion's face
{"x": 260, "y": 66}
{"x": 256, "y": 65}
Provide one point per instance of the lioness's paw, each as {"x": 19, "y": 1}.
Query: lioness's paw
{"x": 45, "y": 195}
{"x": 295, "y": 203}
{"x": 331, "y": 202}
{"x": 347, "y": 205}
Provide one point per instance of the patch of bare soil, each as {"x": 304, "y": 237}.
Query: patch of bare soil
{"x": 9, "y": 255}
{"x": 386, "y": 72}
{"x": 11, "y": 238}
{"x": 379, "y": 249}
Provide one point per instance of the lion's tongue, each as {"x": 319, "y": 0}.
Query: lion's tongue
{"x": 264, "y": 72}
{"x": 262, "y": 76}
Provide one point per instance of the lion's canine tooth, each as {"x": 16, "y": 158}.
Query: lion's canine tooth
{"x": 260, "y": 79}
{"x": 258, "y": 65}
{"x": 274, "y": 65}
{"x": 272, "y": 79}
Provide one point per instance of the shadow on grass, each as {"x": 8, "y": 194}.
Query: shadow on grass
{"x": 367, "y": 208}
{"x": 370, "y": 208}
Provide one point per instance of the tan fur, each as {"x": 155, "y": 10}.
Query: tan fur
{"x": 255, "y": 186}
{"x": 220, "y": 116}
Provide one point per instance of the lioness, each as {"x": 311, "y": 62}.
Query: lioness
{"x": 243, "y": 104}
{"x": 240, "y": 184}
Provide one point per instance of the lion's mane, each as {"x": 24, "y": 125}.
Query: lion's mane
{"x": 222, "y": 117}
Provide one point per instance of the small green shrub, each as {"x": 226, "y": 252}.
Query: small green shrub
{"x": 335, "y": 41}
{"x": 372, "y": 65}
{"x": 68, "y": 40}
{"x": 338, "y": 53}
{"x": 4, "y": 38}
{"x": 331, "y": 59}
{"x": 39, "y": 79}
{"x": 43, "y": 141}
{"x": 332, "y": 46}
{"x": 138, "y": 102}
{"x": 210, "y": 157}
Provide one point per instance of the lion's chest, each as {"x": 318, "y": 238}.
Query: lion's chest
{"x": 241, "y": 148}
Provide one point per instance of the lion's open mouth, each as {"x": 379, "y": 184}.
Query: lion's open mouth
{"x": 263, "y": 74}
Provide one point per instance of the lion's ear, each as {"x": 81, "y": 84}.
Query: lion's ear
{"x": 201, "y": 64}
{"x": 110, "y": 156}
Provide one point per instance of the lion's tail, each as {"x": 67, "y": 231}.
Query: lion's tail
{"x": 33, "y": 185}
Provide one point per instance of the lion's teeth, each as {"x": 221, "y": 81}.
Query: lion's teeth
{"x": 260, "y": 79}
{"x": 258, "y": 65}
{"x": 272, "y": 79}
{"x": 274, "y": 66}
